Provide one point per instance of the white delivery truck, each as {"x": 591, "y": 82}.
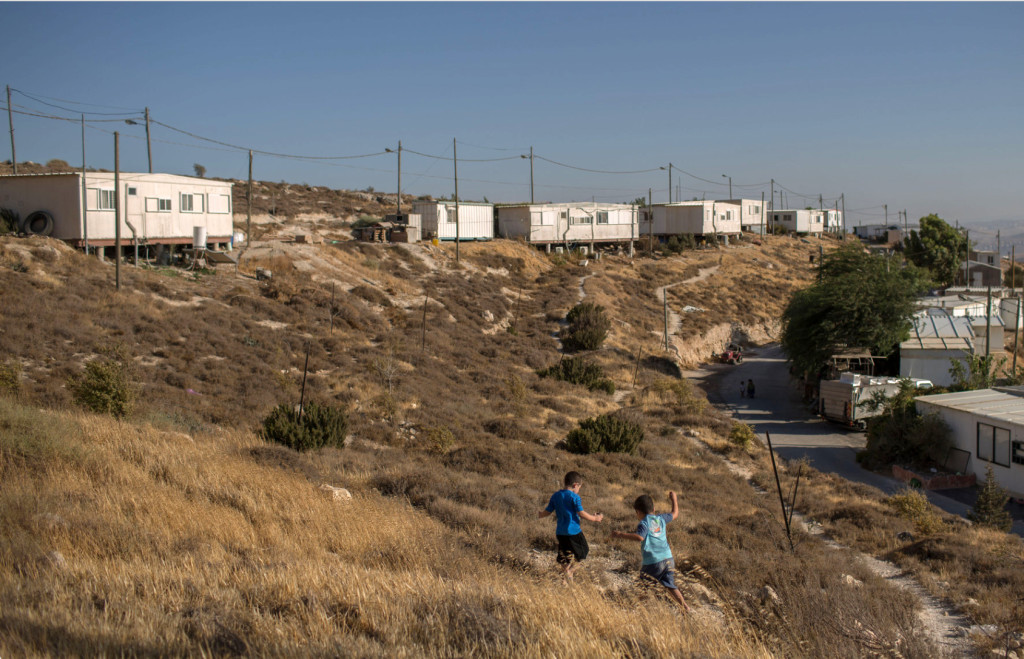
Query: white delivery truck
{"x": 843, "y": 400}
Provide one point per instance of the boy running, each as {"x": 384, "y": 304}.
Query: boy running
{"x": 568, "y": 508}
{"x": 651, "y": 533}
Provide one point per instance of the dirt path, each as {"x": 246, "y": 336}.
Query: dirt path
{"x": 675, "y": 321}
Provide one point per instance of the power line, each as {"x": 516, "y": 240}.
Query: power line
{"x": 427, "y": 155}
{"x": 93, "y": 105}
{"x": 61, "y": 107}
{"x": 594, "y": 171}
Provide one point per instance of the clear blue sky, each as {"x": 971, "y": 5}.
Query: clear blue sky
{"x": 915, "y": 105}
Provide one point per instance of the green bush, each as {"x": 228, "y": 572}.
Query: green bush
{"x": 742, "y": 435}
{"x": 318, "y": 426}
{"x": 608, "y": 433}
{"x": 577, "y": 370}
{"x": 106, "y": 386}
{"x": 10, "y": 378}
{"x": 901, "y": 435}
{"x": 588, "y": 327}
{"x": 913, "y": 505}
{"x": 9, "y": 221}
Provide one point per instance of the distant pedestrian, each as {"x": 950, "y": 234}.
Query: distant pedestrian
{"x": 750, "y": 388}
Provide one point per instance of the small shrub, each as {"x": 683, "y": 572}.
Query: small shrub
{"x": 913, "y": 505}
{"x": 742, "y": 435}
{"x": 440, "y": 439}
{"x": 9, "y": 220}
{"x": 106, "y": 386}
{"x": 318, "y": 426}
{"x": 608, "y": 433}
{"x": 990, "y": 508}
{"x": 577, "y": 370}
{"x": 588, "y": 327}
{"x": 10, "y": 378}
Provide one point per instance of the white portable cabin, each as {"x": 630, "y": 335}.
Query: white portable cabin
{"x": 438, "y": 220}
{"x": 574, "y": 222}
{"x": 753, "y": 213}
{"x": 163, "y": 209}
{"x": 988, "y": 424}
{"x": 696, "y": 217}
{"x": 810, "y": 222}
{"x": 938, "y": 338}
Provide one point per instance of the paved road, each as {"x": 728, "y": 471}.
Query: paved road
{"x": 795, "y": 432}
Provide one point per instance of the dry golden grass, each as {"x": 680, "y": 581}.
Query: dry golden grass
{"x": 176, "y": 545}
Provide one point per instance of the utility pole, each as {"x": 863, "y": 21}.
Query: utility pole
{"x": 117, "y": 212}
{"x": 531, "y": 174}
{"x": 248, "y": 207}
{"x": 772, "y": 219}
{"x": 85, "y": 204}
{"x": 762, "y": 213}
{"x": 906, "y": 223}
{"x": 1016, "y": 329}
{"x": 842, "y": 196}
{"x": 999, "y": 250}
{"x": 458, "y": 220}
{"x": 669, "y": 184}
{"x": 988, "y": 330}
{"x": 10, "y": 122}
{"x": 1013, "y": 267}
{"x": 886, "y": 207}
{"x": 967, "y": 259}
{"x": 650, "y": 221}
{"x": 664, "y": 294}
{"x": 149, "y": 146}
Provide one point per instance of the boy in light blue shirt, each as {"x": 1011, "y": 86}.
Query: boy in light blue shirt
{"x": 652, "y": 534}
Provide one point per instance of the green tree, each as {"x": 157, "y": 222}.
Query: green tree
{"x": 200, "y": 170}
{"x": 588, "y": 326}
{"x": 901, "y": 434}
{"x": 860, "y": 300}
{"x": 990, "y": 508}
{"x": 975, "y": 372}
{"x": 937, "y": 247}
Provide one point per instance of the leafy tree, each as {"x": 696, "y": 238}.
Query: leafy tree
{"x": 975, "y": 372}
{"x": 990, "y": 508}
{"x": 200, "y": 170}
{"x": 901, "y": 434}
{"x": 1014, "y": 275}
{"x": 937, "y": 247}
{"x": 107, "y": 386}
{"x": 861, "y": 300}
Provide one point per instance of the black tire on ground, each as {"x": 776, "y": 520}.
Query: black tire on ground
{"x": 39, "y": 223}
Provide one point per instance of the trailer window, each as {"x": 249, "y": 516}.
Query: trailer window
{"x": 106, "y": 200}
{"x": 994, "y": 444}
{"x": 602, "y": 217}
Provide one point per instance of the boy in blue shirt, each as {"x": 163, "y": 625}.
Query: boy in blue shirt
{"x": 651, "y": 533}
{"x": 568, "y": 508}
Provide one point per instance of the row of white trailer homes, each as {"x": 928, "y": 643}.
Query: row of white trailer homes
{"x": 589, "y": 222}
{"x": 170, "y": 209}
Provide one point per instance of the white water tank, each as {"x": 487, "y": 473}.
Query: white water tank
{"x": 199, "y": 237}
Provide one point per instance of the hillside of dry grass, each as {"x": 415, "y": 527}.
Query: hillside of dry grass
{"x": 179, "y": 529}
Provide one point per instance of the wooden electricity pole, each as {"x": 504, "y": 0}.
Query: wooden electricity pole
{"x": 10, "y": 122}
{"x": 248, "y": 206}
{"x": 149, "y": 145}
{"x": 117, "y": 212}
{"x": 458, "y": 220}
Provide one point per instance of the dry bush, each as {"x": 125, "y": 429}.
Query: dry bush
{"x": 914, "y": 505}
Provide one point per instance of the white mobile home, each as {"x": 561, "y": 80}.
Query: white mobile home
{"x": 439, "y": 220}
{"x": 697, "y": 217}
{"x": 810, "y": 222}
{"x": 753, "y": 213}
{"x": 988, "y": 424}
{"x": 155, "y": 209}
{"x": 576, "y": 222}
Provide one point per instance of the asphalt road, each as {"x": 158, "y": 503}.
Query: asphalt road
{"x": 796, "y": 432}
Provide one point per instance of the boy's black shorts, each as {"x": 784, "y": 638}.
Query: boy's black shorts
{"x": 572, "y": 547}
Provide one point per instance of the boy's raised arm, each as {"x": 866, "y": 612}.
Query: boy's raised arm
{"x": 627, "y": 536}
{"x": 675, "y": 504}
{"x": 591, "y": 518}
{"x": 544, "y": 512}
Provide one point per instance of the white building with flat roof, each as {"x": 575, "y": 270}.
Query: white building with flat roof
{"x": 700, "y": 218}
{"x": 988, "y": 424}
{"x": 572, "y": 222}
{"x": 438, "y": 220}
{"x": 811, "y": 222}
{"x": 155, "y": 209}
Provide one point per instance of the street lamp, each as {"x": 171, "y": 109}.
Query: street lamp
{"x": 730, "y": 185}
{"x": 669, "y": 168}
{"x": 531, "y": 172}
